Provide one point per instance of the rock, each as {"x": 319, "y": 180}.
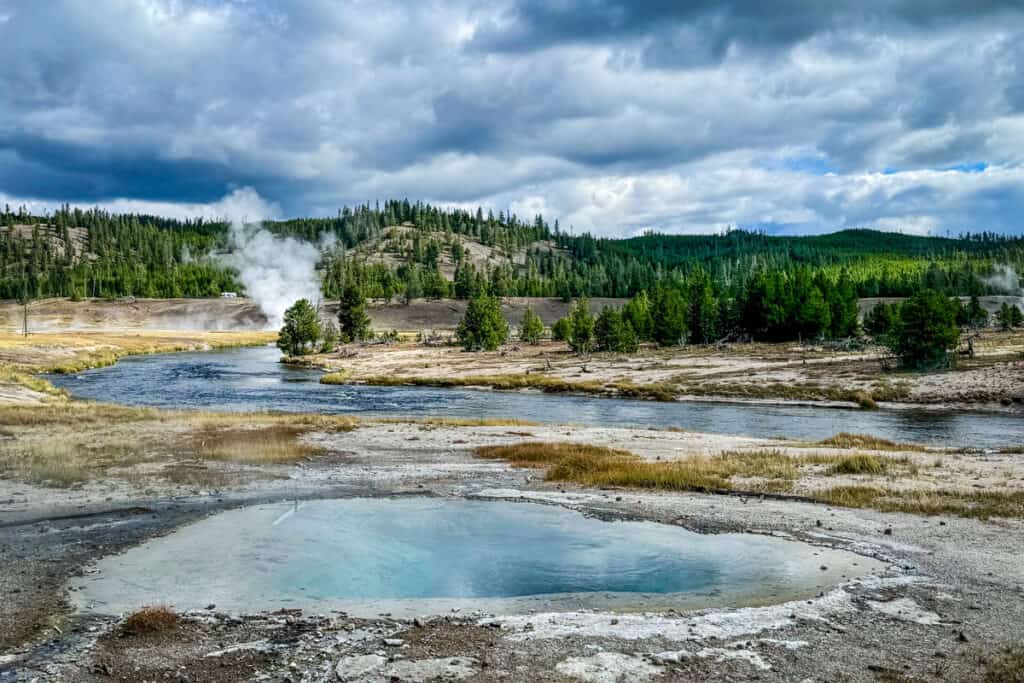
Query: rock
{"x": 394, "y": 642}
{"x": 356, "y": 667}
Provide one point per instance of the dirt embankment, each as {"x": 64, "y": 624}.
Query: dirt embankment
{"x": 52, "y": 315}
{"x": 761, "y": 372}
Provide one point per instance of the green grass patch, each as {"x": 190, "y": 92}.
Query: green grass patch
{"x": 867, "y": 442}
{"x": 859, "y": 463}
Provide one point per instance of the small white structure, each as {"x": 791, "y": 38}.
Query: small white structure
{"x": 229, "y": 295}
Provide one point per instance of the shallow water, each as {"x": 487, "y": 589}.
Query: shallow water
{"x": 416, "y": 555}
{"x": 253, "y": 379}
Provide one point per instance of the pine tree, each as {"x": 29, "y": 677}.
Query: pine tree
{"x": 531, "y": 329}
{"x": 669, "y": 312}
{"x": 561, "y": 330}
{"x": 353, "y": 322}
{"x": 581, "y": 327}
{"x": 301, "y": 329}
{"x": 637, "y": 312}
{"x": 881, "y": 320}
{"x": 483, "y": 327}
{"x": 703, "y": 319}
{"x": 977, "y": 316}
{"x": 613, "y": 333}
{"x": 1009, "y": 316}
{"x": 927, "y": 331}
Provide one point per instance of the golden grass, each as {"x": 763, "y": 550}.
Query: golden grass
{"x": 276, "y": 444}
{"x": 590, "y": 465}
{"x": 963, "y": 503}
{"x": 761, "y": 471}
{"x": 149, "y": 620}
{"x": 867, "y": 442}
{"x": 68, "y": 352}
{"x": 336, "y": 377}
{"x": 9, "y": 374}
{"x": 859, "y": 463}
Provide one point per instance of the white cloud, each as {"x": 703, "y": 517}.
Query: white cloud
{"x": 161, "y": 106}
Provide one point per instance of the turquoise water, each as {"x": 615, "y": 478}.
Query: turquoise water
{"x": 420, "y": 554}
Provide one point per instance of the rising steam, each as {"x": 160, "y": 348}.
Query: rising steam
{"x": 276, "y": 271}
{"x": 1004, "y": 279}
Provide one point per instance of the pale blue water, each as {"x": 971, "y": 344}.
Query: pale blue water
{"x": 391, "y": 553}
{"x": 252, "y": 379}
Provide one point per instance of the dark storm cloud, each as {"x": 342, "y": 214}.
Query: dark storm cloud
{"x": 613, "y": 115}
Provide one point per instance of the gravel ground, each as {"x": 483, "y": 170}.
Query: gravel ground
{"x": 950, "y": 595}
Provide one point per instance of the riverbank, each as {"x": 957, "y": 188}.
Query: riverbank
{"x": 23, "y": 357}
{"x": 782, "y": 373}
{"x": 946, "y": 574}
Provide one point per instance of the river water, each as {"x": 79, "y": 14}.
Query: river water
{"x": 253, "y": 379}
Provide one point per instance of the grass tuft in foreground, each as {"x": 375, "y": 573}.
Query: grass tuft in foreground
{"x": 1006, "y": 667}
{"x": 590, "y": 465}
{"x": 965, "y": 503}
{"x": 149, "y": 620}
{"x": 859, "y": 463}
{"x": 276, "y": 444}
{"x": 763, "y": 471}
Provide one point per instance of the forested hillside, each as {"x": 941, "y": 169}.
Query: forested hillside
{"x": 403, "y": 249}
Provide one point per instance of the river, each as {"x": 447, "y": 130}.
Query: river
{"x": 253, "y": 379}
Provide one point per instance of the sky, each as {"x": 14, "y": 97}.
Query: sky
{"x": 613, "y": 116}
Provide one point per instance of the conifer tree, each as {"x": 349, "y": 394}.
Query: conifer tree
{"x": 353, "y": 322}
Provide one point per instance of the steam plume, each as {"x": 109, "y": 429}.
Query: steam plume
{"x": 1004, "y": 280}
{"x": 276, "y": 271}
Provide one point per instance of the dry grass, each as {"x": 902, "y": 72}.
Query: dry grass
{"x": 760, "y": 471}
{"x": 867, "y": 442}
{"x": 150, "y": 620}
{"x": 859, "y": 463}
{"x": 1006, "y": 667}
{"x": 535, "y": 381}
{"x": 276, "y": 444}
{"x": 73, "y": 443}
{"x": 802, "y": 391}
{"x": 590, "y": 465}
{"x": 10, "y": 374}
{"x": 963, "y": 503}
{"x": 336, "y": 377}
{"x": 68, "y": 352}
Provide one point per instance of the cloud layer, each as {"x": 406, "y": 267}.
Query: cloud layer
{"x": 614, "y": 116}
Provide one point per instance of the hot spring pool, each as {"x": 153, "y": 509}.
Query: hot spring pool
{"x": 422, "y": 555}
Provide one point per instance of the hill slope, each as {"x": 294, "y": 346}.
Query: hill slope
{"x": 416, "y": 250}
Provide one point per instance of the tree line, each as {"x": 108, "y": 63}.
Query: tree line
{"x": 93, "y": 253}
